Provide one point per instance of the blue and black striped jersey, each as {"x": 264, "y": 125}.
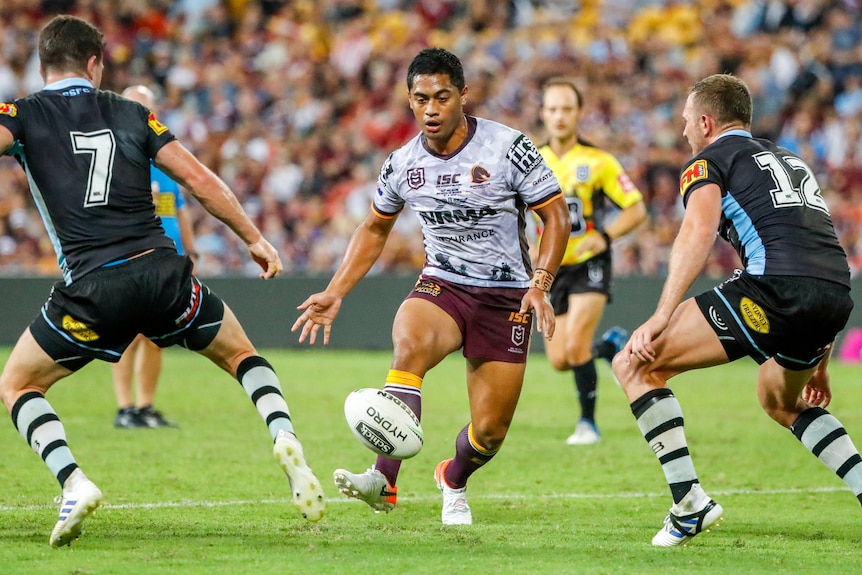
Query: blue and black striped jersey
{"x": 87, "y": 156}
{"x": 773, "y": 212}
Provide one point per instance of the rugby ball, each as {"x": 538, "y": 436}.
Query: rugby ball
{"x": 383, "y": 423}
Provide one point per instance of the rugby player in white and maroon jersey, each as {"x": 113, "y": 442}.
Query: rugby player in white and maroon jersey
{"x": 470, "y": 181}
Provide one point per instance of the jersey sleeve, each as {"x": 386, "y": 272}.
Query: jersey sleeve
{"x": 617, "y": 184}
{"x": 10, "y": 118}
{"x": 529, "y": 174}
{"x": 156, "y": 133}
{"x": 697, "y": 173}
{"x": 387, "y": 201}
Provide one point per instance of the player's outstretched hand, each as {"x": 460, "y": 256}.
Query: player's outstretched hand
{"x": 318, "y": 310}
{"x": 640, "y": 343}
{"x": 817, "y": 391}
{"x": 537, "y": 300}
{"x": 267, "y": 258}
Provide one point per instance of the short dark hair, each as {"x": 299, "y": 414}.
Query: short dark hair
{"x": 724, "y": 97}
{"x": 563, "y": 81}
{"x": 66, "y": 44}
{"x": 436, "y": 61}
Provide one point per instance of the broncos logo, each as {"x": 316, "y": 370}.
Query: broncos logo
{"x": 479, "y": 175}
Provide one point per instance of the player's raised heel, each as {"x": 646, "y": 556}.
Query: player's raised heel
{"x": 680, "y": 525}
{"x": 307, "y": 490}
{"x": 79, "y": 500}
{"x": 372, "y": 487}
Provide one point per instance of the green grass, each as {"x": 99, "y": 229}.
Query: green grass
{"x": 209, "y": 498}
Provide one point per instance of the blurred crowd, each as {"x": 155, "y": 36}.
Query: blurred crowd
{"x": 296, "y": 103}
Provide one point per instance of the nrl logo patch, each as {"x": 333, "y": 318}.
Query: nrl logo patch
{"x": 519, "y": 335}
{"x": 416, "y": 178}
{"x": 582, "y": 173}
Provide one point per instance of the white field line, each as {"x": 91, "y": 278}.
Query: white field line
{"x": 491, "y": 496}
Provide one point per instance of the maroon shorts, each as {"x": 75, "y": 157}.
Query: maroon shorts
{"x": 491, "y": 327}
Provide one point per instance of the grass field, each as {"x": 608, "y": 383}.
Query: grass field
{"x": 209, "y": 498}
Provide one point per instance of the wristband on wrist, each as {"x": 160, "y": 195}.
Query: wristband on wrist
{"x": 607, "y": 237}
{"x": 542, "y": 279}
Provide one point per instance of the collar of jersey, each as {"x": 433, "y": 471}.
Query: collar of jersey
{"x": 68, "y": 83}
{"x": 744, "y": 133}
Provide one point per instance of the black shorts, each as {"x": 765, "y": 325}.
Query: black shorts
{"x": 591, "y": 276}
{"x": 489, "y": 319}
{"x": 97, "y": 316}
{"x": 789, "y": 318}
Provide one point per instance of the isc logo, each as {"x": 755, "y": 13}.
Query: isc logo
{"x": 448, "y": 179}
{"x": 519, "y": 317}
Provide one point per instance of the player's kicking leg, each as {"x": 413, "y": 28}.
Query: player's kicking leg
{"x": 232, "y": 351}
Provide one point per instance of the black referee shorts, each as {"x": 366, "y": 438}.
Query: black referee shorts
{"x": 591, "y": 276}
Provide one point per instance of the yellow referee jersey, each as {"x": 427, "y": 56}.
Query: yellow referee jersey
{"x": 592, "y": 181}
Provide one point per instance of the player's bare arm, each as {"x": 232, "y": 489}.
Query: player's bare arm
{"x": 364, "y": 248}
{"x": 557, "y": 224}
{"x": 629, "y": 218}
{"x": 216, "y": 198}
{"x": 690, "y": 251}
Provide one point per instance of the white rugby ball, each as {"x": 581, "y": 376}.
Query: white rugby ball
{"x": 383, "y": 423}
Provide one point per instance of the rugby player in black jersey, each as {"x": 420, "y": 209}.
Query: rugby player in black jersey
{"x": 87, "y": 156}
{"x": 783, "y": 309}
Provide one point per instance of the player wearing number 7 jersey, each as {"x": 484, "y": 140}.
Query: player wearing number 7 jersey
{"x": 784, "y": 310}
{"x": 87, "y": 156}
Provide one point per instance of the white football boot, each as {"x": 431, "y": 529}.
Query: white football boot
{"x": 456, "y": 511}
{"x": 694, "y": 514}
{"x": 372, "y": 487}
{"x": 79, "y": 500}
{"x": 307, "y": 490}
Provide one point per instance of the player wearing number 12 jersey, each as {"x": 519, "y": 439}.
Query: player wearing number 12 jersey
{"x": 783, "y": 310}
{"x": 87, "y": 156}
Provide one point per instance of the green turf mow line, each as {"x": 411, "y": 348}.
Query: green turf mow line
{"x": 423, "y": 498}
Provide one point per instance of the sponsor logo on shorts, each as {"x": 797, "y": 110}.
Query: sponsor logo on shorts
{"x": 78, "y": 329}
{"x": 416, "y": 178}
{"x": 754, "y": 316}
{"x": 519, "y": 334}
{"x": 194, "y": 304}
{"x": 716, "y": 319}
{"x": 696, "y": 171}
{"x": 428, "y": 287}
{"x": 519, "y": 317}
